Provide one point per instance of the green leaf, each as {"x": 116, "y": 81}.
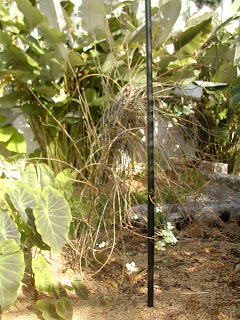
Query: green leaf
{"x": 11, "y": 100}
{"x": 43, "y": 279}
{"x": 53, "y": 11}
{"x": 64, "y": 308}
{"x": 46, "y": 175}
{"x": 48, "y": 310}
{"x": 191, "y": 39}
{"x": 22, "y": 198}
{"x": 11, "y": 272}
{"x": 80, "y": 289}
{"x": 6, "y": 132}
{"x": 93, "y": 18}
{"x": 90, "y": 94}
{"x": 45, "y": 91}
{"x": 108, "y": 63}
{"x": 169, "y": 13}
{"x": 75, "y": 59}
{"x": 53, "y": 217}
{"x": 64, "y": 182}
{"x": 59, "y": 291}
{"x": 7, "y": 121}
{"x": 8, "y": 229}
{"x": 32, "y": 15}
{"x": 30, "y": 176}
{"x": 16, "y": 143}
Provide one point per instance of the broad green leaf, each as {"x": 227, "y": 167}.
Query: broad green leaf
{"x": 80, "y": 289}
{"x": 45, "y": 175}
{"x": 102, "y": 101}
{"x": 4, "y": 121}
{"x": 51, "y": 35}
{"x": 64, "y": 308}
{"x": 59, "y": 290}
{"x": 16, "y": 143}
{"x": 53, "y": 11}
{"x": 226, "y": 72}
{"x": 90, "y": 94}
{"x": 31, "y": 61}
{"x": 53, "y": 217}
{"x": 8, "y": 229}
{"x": 11, "y": 100}
{"x": 75, "y": 59}
{"x": 32, "y": 15}
{"x": 11, "y": 272}
{"x": 22, "y": 198}
{"x": 43, "y": 279}
{"x": 93, "y": 18}
{"x": 108, "y": 63}
{"x": 48, "y": 310}
{"x": 169, "y": 13}
{"x": 6, "y": 132}
{"x": 30, "y": 176}
{"x": 19, "y": 74}
{"x": 64, "y": 181}
{"x": 191, "y": 39}
{"x": 5, "y": 38}
{"x": 45, "y": 90}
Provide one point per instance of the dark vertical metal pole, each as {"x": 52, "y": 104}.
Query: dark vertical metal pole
{"x": 150, "y": 140}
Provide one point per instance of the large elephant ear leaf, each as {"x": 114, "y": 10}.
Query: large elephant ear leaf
{"x": 48, "y": 310}
{"x": 11, "y": 272}
{"x": 46, "y": 175}
{"x": 64, "y": 181}
{"x": 43, "y": 279}
{"x": 52, "y": 218}
{"x": 8, "y": 229}
{"x": 22, "y": 198}
{"x": 30, "y": 176}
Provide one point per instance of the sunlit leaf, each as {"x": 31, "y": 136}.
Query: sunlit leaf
{"x": 48, "y": 310}
{"x": 32, "y": 15}
{"x": 16, "y": 143}
{"x": 30, "y": 176}
{"x": 22, "y": 198}
{"x": 11, "y": 272}
{"x": 8, "y": 229}
{"x": 80, "y": 289}
{"x": 43, "y": 279}
{"x": 52, "y": 214}
{"x": 45, "y": 175}
{"x": 64, "y": 308}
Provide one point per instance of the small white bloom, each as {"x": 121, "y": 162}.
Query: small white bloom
{"x": 131, "y": 267}
{"x": 102, "y": 244}
{"x": 169, "y": 226}
{"x": 160, "y": 245}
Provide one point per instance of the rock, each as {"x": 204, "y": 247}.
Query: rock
{"x": 138, "y": 216}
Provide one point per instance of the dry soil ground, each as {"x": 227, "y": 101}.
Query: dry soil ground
{"x": 197, "y": 279}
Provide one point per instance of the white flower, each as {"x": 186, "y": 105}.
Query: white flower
{"x": 102, "y": 244}
{"x": 169, "y": 237}
{"x": 160, "y": 245}
{"x": 131, "y": 267}
{"x": 169, "y": 226}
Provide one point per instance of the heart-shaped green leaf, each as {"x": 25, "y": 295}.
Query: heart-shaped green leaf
{"x": 8, "y": 229}
{"x": 80, "y": 289}
{"x": 64, "y": 308}
{"x": 43, "y": 279}
{"x": 22, "y": 198}
{"x": 52, "y": 214}
{"x": 11, "y": 272}
{"x": 48, "y": 310}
